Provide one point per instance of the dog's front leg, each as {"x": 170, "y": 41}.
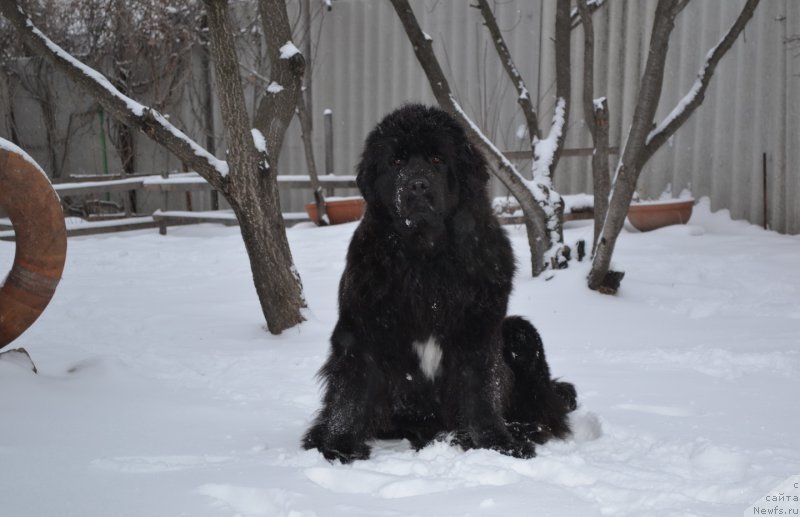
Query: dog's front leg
{"x": 353, "y": 386}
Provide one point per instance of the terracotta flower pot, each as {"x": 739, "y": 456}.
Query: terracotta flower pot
{"x": 649, "y": 215}
{"x": 342, "y": 210}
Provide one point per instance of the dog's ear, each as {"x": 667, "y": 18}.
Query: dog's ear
{"x": 473, "y": 167}
{"x": 365, "y": 179}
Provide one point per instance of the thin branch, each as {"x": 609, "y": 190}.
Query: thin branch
{"x": 523, "y": 95}
{"x": 595, "y": 113}
{"x": 680, "y": 6}
{"x": 305, "y": 133}
{"x": 563, "y": 81}
{"x": 277, "y": 107}
{"x": 575, "y": 17}
{"x": 694, "y": 98}
{"x": 239, "y": 141}
{"x": 588, "y": 65}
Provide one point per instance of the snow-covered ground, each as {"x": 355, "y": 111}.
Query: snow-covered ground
{"x": 160, "y": 394}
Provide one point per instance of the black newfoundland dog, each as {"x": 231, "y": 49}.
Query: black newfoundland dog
{"x": 423, "y": 348}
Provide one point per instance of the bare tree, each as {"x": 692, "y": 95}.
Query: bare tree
{"x": 539, "y": 202}
{"x": 645, "y": 137}
{"x": 246, "y": 179}
{"x": 595, "y": 113}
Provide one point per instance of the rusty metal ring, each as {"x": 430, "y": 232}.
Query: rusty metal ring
{"x": 35, "y": 211}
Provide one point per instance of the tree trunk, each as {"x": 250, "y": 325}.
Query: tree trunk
{"x": 595, "y": 113}
{"x": 275, "y": 110}
{"x": 601, "y": 182}
{"x": 253, "y": 189}
{"x": 563, "y": 76}
{"x": 276, "y": 281}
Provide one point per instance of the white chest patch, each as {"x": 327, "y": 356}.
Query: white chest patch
{"x": 430, "y": 356}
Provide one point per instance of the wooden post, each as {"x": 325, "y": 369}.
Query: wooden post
{"x": 305, "y": 13}
{"x": 126, "y": 202}
{"x": 162, "y": 227}
{"x": 764, "y": 180}
{"x": 328, "y": 116}
{"x": 208, "y": 105}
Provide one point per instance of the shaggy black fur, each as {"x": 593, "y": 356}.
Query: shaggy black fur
{"x": 423, "y": 347}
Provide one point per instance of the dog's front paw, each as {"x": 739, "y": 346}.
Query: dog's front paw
{"x": 496, "y": 440}
{"x": 517, "y": 448}
{"x": 345, "y": 452}
{"x": 343, "y": 448}
{"x": 511, "y": 446}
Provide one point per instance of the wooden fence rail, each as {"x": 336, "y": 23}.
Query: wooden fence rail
{"x": 170, "y": 184}
{"x": 166, "y": 186}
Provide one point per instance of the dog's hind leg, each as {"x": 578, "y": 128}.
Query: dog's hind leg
{"x": 539, "y": 404}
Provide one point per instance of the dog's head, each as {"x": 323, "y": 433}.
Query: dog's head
{"x": 418, "y": 169}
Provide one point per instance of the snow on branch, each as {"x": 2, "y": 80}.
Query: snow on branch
{"x": 694, "y": 97}
{"x": 540, "y": 186}
{"x": 545, "y": 150}
{"x": 127, "y": 110}
{"x": 274, "y": 88}
{"x": 487, "y": 142}
{"x": 288, "y": 50}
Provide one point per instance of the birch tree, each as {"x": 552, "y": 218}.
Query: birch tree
{"x": 248, "y": 178}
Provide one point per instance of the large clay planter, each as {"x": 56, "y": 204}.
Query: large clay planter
{"x": 339, "y": 211}
{"x": 649, "y": 215}
{"x": 41, "y": 241}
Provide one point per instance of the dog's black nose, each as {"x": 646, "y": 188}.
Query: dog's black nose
{"x": 419, "y": 185}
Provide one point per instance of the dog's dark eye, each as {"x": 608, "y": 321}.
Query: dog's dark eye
{"x": 435, "y": 160}
{"x": 397, "y": 161}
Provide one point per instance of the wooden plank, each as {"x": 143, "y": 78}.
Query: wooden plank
{"x": 577, "y": 151}
{"x": 92, "y": 228}
{"x": 327, "y": 181}
{"x": 183, "y": 182}
{"x": 124, "y": 225}
{"x": 575, "y": 216}
{"x": 224, "y": 217}
{"x": 195, "y": 183}
{"x": 83, "y": 178}
{"x": 97, "y": 187}
{"x": 178, "y": 182}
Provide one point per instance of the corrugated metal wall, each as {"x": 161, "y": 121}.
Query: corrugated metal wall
{"x": 365, "y": 67}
